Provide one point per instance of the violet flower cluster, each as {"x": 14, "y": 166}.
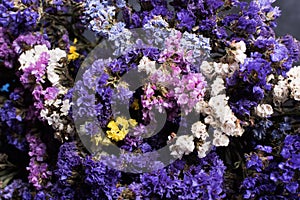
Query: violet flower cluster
{"x": 200, "y": 99}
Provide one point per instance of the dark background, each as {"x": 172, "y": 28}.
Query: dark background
{"x": 289, "y": 21}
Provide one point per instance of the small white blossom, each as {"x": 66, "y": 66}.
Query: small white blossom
{"x": 31, "y": 56}
{"x": 239, "y": 52}
{"x": 44, "y": 113}
{"x": 209, "y": 120}
{"x": 57, "y": 103}
{"x": 147, "y": 65}
{"x": 199, "y": 130}
{"x": 184, "y": 145}
{"x": 217, "y": 87}
{"x": 203, "y": 149}
{"x": 280, "y": 92}
{"x": 65, "y": 107}
{"x": 228, "y": 127}
{"x": 56, "y": 54}
{"x": 220, "y": 139}
{"x": 264, "y": 110}
{"x": 203, "y": 107}
{"x": 207, "y": 69}
{"x": 54, "y": 118}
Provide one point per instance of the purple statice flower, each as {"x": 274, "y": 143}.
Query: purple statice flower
{"x": 257, "y": 65}
{"x": 8, "y": 113}
{"x": 186, "y": 19}
{"x": 101, "y": 179}
{"x": 12, "y": 121}
{"x": 264, "y": 42}
{"x": 15, "y": 190}
{"x": 67, "y": 161}
{"x": 22, "y": 42}
{"x": 280, "y": 53}
{"x": 35, "y": 70}
{"x": 291, "y": 151}
{"x": 39, "y": 173}
{"x": 196, "y": 183}
{"x": 250, "y": 82}
{"x": 99, "y": 16}
{"x": 266, "y": 149}
{"x": 42, "y": 195}
{"x": 214, "y": 5}
{"x": 18, "y": 20}
{"x": 103, "y": 110}
{"x": 51, "y": 93}
{"x": 6, "y": 53}
{"x": 275, "y": 178}
{"x": 63, "y": 192}
{"x": 292, "y": 46}
{"x": 254, "y": 162}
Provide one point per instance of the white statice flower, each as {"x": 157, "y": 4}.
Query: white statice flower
{"x": 56, "y": 54}
{"x": 238, "y": 130}
{"x": 221, "y": 68}
{"x": 59, "y": 125}
{"x": 44, "y": 112}
{"x": 232, "y": 68}
{"x": 293, "y": 80}
{"x": 218, "y": 104}
{"x": 156, "y": 21}
{"x": 202, "y": 107}
{"x": 217, "y": 87}
{"x": 264, "y": 110}
{"x": 52, "y": 76}
{"x": 223, "y": 116}
{"x": 207, "y": 69}
{"x": 220, "y": 139}
{"x": 184, "y": 145}
{"x": 203, "y": 149}
{"x": 210, "y": 120}
{"x": 280, "y": 91}
{"x": 293, "y": 73}
{"x": 54, "y": 118}
{"x": 225, "y": 69}
{"x": 48, "y": 102}
{"x": 70, "y": 129}
{"x": 199, "y": 130}
{"x": 229, "y": 126}
{"x": 65, "y": 107}
{"x": 31, "y": 56}
{"x": 147, "y": 65}
{"x": 57, "y": 103}
{"x": 239, "y": 52}
{"x": 271, "y": 77}
{"x": 296, "y": 94}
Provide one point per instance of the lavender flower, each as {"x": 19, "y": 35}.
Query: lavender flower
{"x": 39, "y": 174}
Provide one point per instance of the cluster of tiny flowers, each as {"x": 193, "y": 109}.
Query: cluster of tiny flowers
{"x": 38, "y": 65}
{"x": 288, "y": 86}
{"x": 81, "y": 81}
{"x": 265, "y": 172}
{"x": 39, "y": 174}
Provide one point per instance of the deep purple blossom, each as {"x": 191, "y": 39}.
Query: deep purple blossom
{"x": 186, "y": 19}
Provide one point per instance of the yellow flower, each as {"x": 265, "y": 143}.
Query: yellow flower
{"x": 123, "y": 122}
{"x": 132, "y": 122}
{"x": 113, "y": 125}
{"x": 119, "y": 128}
{"x": 73, "y": 55}
{"x": 116, "y": 135}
